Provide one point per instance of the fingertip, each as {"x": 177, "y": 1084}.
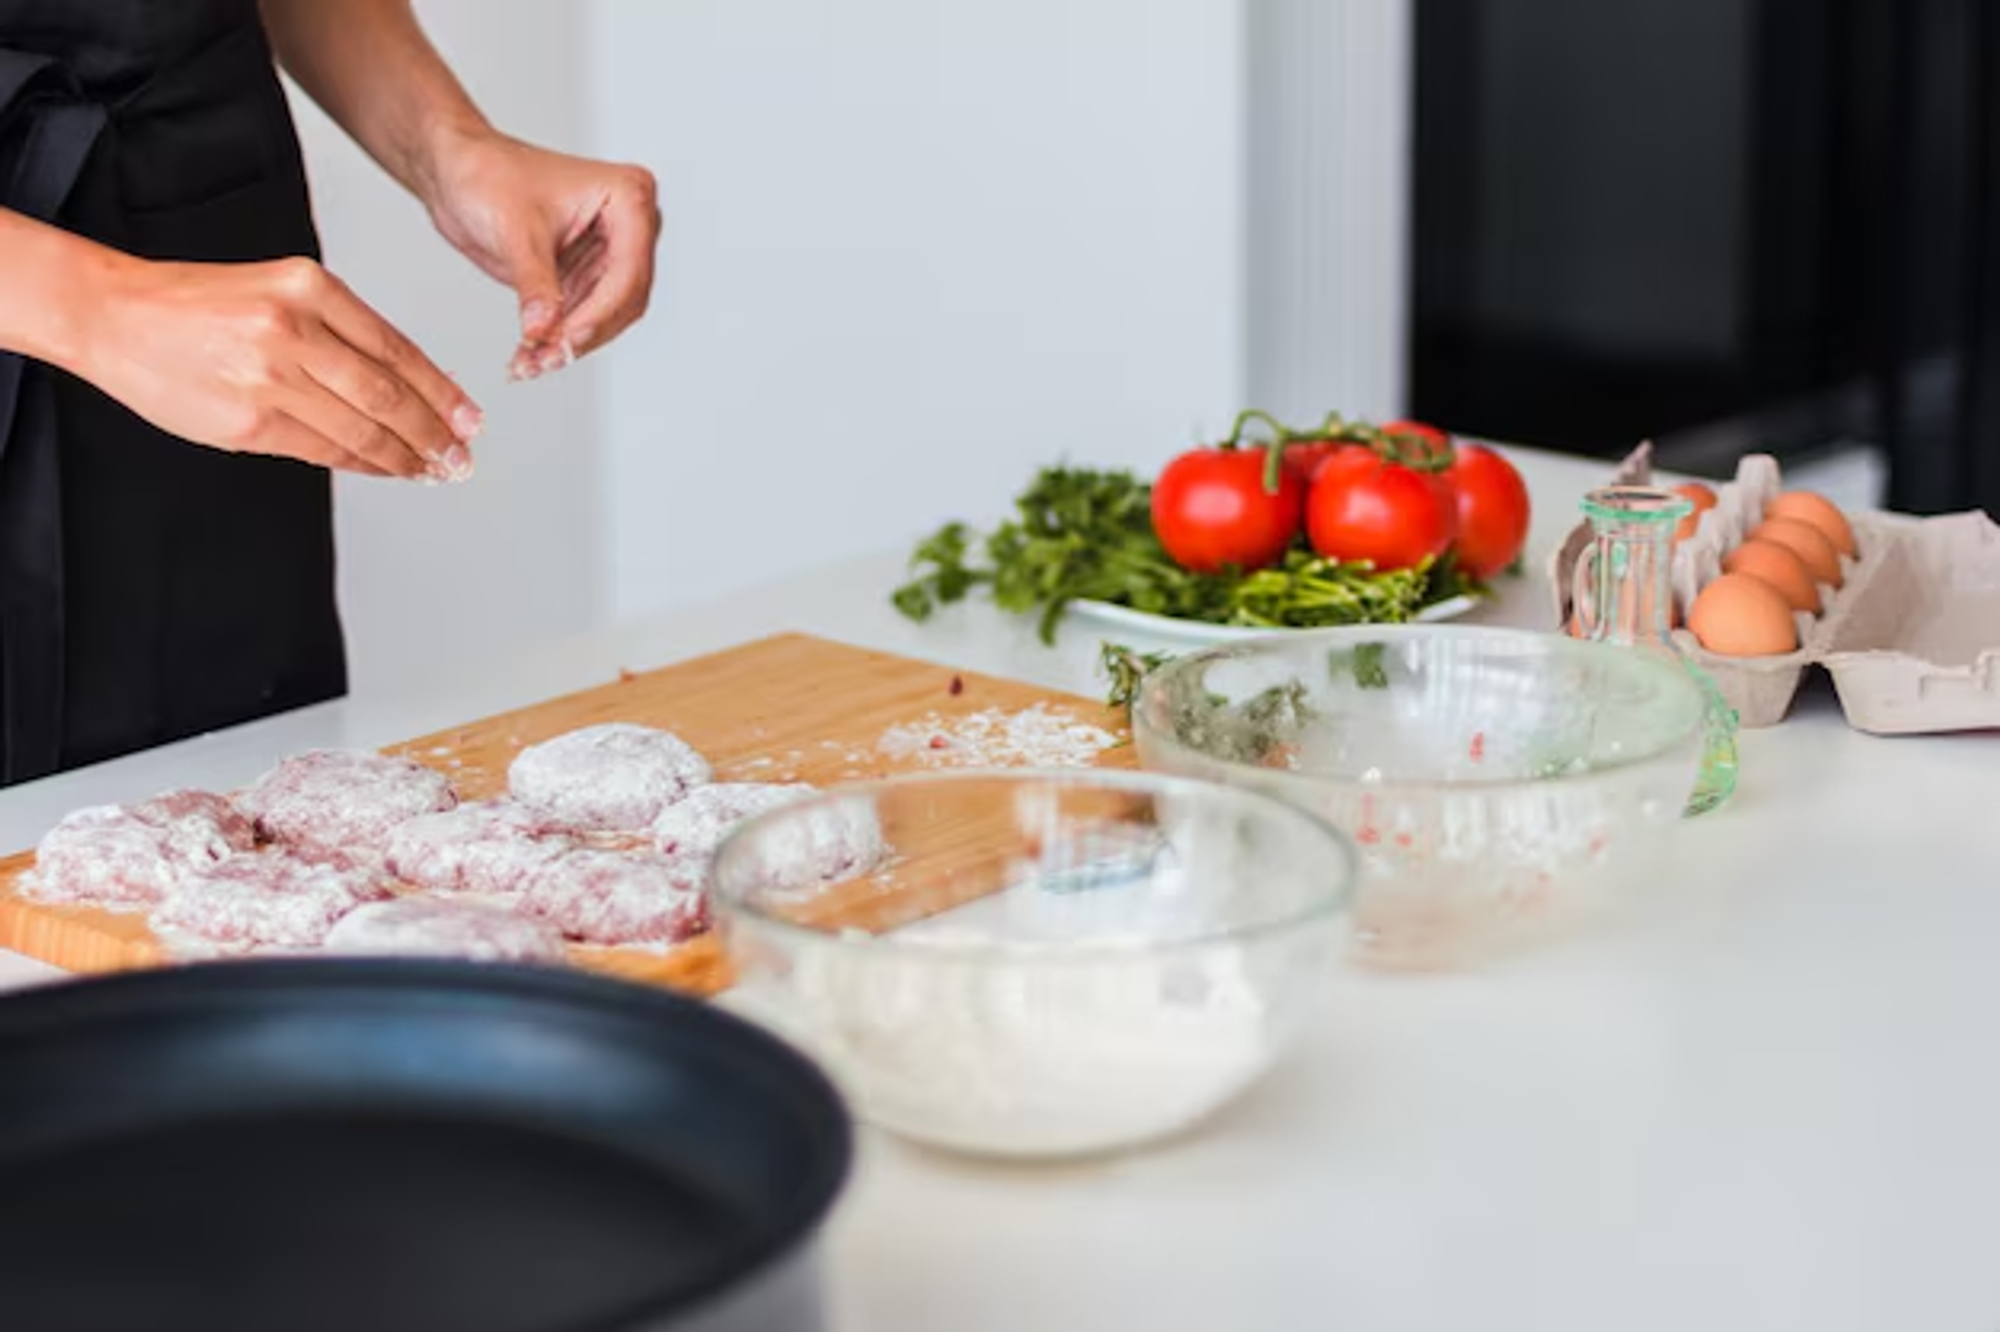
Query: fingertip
{"x": 538, "y": 318}
{"x": 558, "y": 356}
{"x": 457, "y": 465}
{"x": 533, "y": 360}
{"x": 467, "y": 421}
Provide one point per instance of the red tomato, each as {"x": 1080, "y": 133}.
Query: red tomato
{"x": 1430, "y": 434}
{"x": 1362, "y": 507}
{"x": 1433, "y": 439}
{"x": 1210, "y": 510}
{"x": 1492, "y": 510}
{"x": 1307, "y": 456}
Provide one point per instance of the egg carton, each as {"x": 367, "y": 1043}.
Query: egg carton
{"x": 1911, "y": 637}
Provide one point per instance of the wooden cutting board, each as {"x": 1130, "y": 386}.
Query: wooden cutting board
{"x": 787, "y": 708}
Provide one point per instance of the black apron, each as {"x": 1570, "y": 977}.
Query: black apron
{"x": 150, "y": 589}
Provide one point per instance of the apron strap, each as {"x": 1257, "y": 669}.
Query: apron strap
{"x": 47, "y": 130}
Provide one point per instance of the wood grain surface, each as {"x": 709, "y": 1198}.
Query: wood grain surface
{"x": 788, "y": 708}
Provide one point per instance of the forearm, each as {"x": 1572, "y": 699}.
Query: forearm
{"x": 369, "y": 66}
{"x": 48, "y": 277}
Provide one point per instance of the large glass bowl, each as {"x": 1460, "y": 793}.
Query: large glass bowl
{"x": 1042, "y": 963}
{"x": 1499, "y": 785}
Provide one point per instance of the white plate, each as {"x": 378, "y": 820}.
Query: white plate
{"x": 1167, "y": 629}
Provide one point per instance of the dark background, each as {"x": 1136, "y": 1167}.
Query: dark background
{"x": 1721, "y": 224}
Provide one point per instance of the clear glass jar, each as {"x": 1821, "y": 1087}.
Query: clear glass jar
{"x": 1624, "y": 595}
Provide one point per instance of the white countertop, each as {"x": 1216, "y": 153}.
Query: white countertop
{"x": 1776, "y": 1107}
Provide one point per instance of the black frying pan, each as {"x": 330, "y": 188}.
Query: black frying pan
{"x": 380, "y": 1145}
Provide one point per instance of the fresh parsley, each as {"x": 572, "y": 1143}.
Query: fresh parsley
{"x": 1079, "y": 533}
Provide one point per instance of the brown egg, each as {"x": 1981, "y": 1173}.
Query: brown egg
{"x": 1779, "y": 566}
{"x": 1740, "y": 616}
{"x": 1808, "y": 543}
{"x": 1703, "y": 499}
{"x": 1818, "y": 511}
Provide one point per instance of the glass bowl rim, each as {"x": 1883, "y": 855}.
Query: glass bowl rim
{"x": 1289, "y": 779}
{"x": 1328, "y": 903}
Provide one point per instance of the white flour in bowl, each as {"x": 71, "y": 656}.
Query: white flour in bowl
{"x": 1017, "y": 1057}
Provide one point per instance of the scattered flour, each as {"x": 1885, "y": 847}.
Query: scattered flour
{"x": 1035, "y": 737}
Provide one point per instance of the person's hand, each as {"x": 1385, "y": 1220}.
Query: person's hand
{"x": 574, "y": 238}
{"x": 275, "y": 358}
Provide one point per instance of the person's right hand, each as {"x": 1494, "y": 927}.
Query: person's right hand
{"x": 276, "y": 358}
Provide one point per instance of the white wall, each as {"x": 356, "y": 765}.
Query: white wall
{"x": 1328, "y": 129}
{"x": 914, "y": 251}
{"x": 435, "y": 577}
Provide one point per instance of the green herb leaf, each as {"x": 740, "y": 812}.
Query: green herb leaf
{"x": 944, "y": 576}
{"x": 1079, "y": 533}
{"x": 1263, "y": 728}
{"x": 1363, "y": 661}
{"x": 1126, "y": 668}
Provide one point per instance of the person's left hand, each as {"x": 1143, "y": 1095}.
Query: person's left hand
{"x": 573, "y": 237}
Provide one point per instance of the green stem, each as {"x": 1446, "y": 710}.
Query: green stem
{"x": 1412, "y": 451}
{"x": 1274, "y": 448}
{"x": 1245, "y": 417}
{"x": 1335, "y": 426}
{"x": 1274, "y": 463}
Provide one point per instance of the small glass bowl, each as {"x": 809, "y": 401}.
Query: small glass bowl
{"x": 1042, "y": 963}
{"x": 1499, "y": 785}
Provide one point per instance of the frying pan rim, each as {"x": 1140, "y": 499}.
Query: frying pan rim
{"x": 767, "y": 1249}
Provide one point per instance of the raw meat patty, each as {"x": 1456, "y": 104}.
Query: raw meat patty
{"x": 272, "y": 900}
{"x": 807, "y": 848}
{"x": 199, "y": 827}
{"x": 344, "y": 801}
{"x": 420, "y": 926}
{"x": 695, "y": 825}
{"x": 611, "y": 778}
{"x": 104, "y": 855}
{"x": 612, "y": 897}
{"x": 113, "y": 855}
{"x": 489, "y": 847}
